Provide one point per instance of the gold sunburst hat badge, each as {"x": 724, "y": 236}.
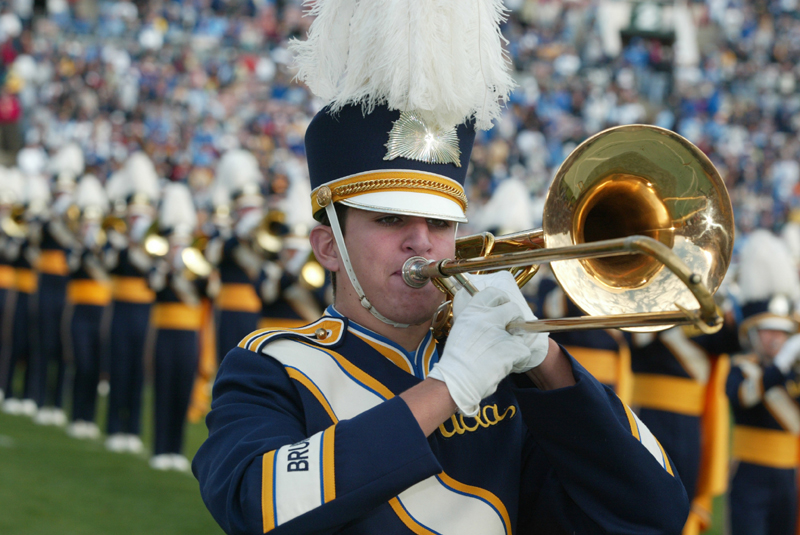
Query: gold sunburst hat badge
{"x": 413, "y": 139}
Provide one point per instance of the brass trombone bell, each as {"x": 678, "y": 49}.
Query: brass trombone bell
{"x": 626, "y": 203}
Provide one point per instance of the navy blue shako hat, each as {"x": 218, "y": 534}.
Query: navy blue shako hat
{"x": 349, "y": 152}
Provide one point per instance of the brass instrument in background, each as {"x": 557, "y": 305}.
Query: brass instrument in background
{"x": 13, "y": 224}
{"x": 624, "y": 205}
{"x": 269, "y": 233}
{"x": 195, "y": 263}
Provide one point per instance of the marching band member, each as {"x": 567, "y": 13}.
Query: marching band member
{"x": 56, "y": 240}
{"x": 357, "y": 423}
{"x": 678, "y": 386}
{"x": 11, "y": 202}
{"x": 22, "y": 252}
{"x": 134, "y": 191}
{"x": 238, "y": 262}
{"x": 88, "y": 296}
{"x": 179, "y": 280}
{"x": 763, "y": 389}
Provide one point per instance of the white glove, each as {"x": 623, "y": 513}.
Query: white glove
{"x": 788, "y": 354}
{"x": 538, "y": 343}
{"x": 480, "y": 352}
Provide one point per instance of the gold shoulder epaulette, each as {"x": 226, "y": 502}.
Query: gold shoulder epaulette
{"x": 326, "y": 331}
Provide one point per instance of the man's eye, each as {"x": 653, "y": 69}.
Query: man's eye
{"x": 439, "y": 223}
{"x": 388, "y": 220}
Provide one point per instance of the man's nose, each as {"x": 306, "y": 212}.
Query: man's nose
{"x": 418, "y": 239}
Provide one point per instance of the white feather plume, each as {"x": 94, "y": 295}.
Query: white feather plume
{"x": 142, "y": 176}
{"x": 12, "y": 186}
{"x": 90, "y": 192}
{"x": 441, "y": 58}
{"x": 36, "y": 190}
{"x": 236, "y": 169}
{"x": 68, "y": 158}
{"x": 177, "y": 208}
{"x": 117, "y": 187}
{"x": 766, "y": 268}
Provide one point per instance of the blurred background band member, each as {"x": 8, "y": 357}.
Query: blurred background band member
{"x": 180, "y": 280}
{"x": 88, "y": 296}
{"x": 134, "y": 193}
{"x": 234, "y": 252}
{"x": 57, "y": 239}
{"x": 764, "y": 389}
{"x": 22, "y": 251}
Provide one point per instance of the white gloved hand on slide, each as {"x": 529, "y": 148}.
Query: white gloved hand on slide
{"x": 480, "y": 352}
{"x": 538, "y": 343}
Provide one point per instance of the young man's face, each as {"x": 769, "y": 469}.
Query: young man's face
{"x": 378, "y": 245}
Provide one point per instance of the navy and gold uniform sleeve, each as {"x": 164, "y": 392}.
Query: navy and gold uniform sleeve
{"x": 592, "y": 467}
{"x": 261, "y": 471}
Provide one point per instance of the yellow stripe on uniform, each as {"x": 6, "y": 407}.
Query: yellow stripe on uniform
{"x": 300, "y": 377}
{"x": 240, "y": 297}
{"x": 406, "y": 519}
{"x": 177, "y": 316}
{"x": 25, "y": 280}
{"x": 267, "y": 494}
{"x": 667, "y": 464}
{"x": 131, "y": 290}
{"x": 766, "y": 447}
{"x": 484, "y": 494}
{"x": 632, "y": 423}
{"x": 668, "y": 393}
{"x": 386, "y": 350}
{"x": 328, "y": 464}
{"x": 7, "y": 276}
{"x": 89, "y": 292}
{"x": 53, "y": 262}
{"x": 357, "y": 374}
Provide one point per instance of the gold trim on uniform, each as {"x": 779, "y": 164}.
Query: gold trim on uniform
{"x": 240, "y": 297}
{"x": 131, "y": 290}
{"x": 7, "y": 277}
{"x": 400, "y": 180}
{"x": 766, "y": 447}
{"x": 53, "y": 262}
{"x": 601, "y": 363}
{"x": 89, "y": 292}
{"x": 177, "y": 316}
{"x": 668, "y": 393}
{"x": 25, "y": 280}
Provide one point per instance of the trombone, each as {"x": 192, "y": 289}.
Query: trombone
{"x": 626, "y": 204}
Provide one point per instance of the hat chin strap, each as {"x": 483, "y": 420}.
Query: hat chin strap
{"x": 348, "y": 267}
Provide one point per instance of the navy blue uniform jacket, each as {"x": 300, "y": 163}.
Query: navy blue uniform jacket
{"x": 307, "y": 434}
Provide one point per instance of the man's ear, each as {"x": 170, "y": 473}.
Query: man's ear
{"x": 324, "y": 245}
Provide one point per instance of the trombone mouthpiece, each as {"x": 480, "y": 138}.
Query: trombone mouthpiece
{"x": 412, "y": 272}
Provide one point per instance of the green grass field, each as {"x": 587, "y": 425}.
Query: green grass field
{"x": 50, "y": 483}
